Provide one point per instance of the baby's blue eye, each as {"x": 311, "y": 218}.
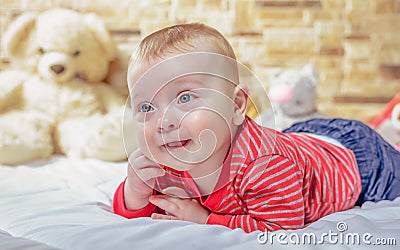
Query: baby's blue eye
{"x": 185, "y": 98}
{"x": 146, "y": 108}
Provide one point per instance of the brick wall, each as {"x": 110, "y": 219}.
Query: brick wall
{"x": 354, "y": 44}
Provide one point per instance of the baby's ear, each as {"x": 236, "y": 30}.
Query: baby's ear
{"x": 240, "y": 94}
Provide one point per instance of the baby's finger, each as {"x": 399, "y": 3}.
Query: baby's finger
{"x": 176, "y": 192}
{"x": 138, "y": 156}
{"x": 145, "y": 173}
{"x": 156, "y": 216}
{"x": 150, "y": 173}
{"x": 165, "y": 203}
{"x": 143, "y": 162}
{"x": 135, "y": 154}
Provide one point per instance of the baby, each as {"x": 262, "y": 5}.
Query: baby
{"x": 201, "y": 159}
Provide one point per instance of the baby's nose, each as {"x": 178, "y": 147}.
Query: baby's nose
{"x": 167, "y": 122}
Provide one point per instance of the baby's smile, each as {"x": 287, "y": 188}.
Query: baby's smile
{"x": 176, "y": 144}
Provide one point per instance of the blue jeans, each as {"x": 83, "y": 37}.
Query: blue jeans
{"x": 378, "y": 161}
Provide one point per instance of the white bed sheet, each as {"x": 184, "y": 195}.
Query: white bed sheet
{"x": 66, "y": 204}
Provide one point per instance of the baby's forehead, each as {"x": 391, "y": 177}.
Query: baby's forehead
{"x": 195, "y": 63}
{"x": 200, "y": 83}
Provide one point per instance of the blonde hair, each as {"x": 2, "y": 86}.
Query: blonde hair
{"x": 181, "y": 38}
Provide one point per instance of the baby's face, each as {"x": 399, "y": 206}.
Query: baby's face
{"x": 183, "y": 112}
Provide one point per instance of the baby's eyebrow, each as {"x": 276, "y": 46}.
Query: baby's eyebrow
{"x": 190, "y": 79}
{"x": 136, "y": 98}
{"x": 135, "y": 95}
{"x": 195, "y": 81}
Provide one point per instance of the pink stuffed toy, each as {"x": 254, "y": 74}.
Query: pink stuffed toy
{"x": 387, "y": 124}
{"x": 293, "y": 95}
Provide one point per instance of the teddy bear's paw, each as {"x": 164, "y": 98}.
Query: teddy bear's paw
{"x": 24, "y": 137}
{"x": 78, "y": 100}
{"x": 104, "y": 140}
{"x": 10, "y": 88}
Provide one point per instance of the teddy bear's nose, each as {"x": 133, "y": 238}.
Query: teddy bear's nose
{"x": 57, "y": 68}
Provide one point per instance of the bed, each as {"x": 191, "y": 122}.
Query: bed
{"x": 65, "y": 203}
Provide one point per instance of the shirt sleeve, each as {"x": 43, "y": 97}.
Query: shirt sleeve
{"x": 271, "y": 189}
{"x": 120, "y": 208}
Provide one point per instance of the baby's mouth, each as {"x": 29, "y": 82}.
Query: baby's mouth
{"x": 176, "y": 144}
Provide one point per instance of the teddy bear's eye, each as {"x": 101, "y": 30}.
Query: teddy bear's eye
{"x": 41, "y": 51}
{"x": 76, "y": 53}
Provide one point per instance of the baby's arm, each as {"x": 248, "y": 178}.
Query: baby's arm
{"x": 274, "y": 200}
{"x": 119, "y": 206}
{"x": 131, "y": 199}
{"x": 179, "y": 209}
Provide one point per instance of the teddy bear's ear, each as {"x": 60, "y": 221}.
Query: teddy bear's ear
{"x": 101, "y": 32}
{"x": 274, "y": 73}
{"x": 17, "y": 34}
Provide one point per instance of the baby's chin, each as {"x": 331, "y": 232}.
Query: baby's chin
{"x": 179, "y": 165}
{"x": 182, "y": 160}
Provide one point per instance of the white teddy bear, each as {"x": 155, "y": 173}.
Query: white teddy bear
{"x": 293, "y": 96}
{"x": 55, "y": 100}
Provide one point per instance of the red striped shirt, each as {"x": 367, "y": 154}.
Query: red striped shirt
{"x": 276, "y": 181}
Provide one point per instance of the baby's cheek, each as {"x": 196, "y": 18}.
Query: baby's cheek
{"x": 143, "y": 137}
{"x": 205, "y": 122}
{"x": 197, "y": 120}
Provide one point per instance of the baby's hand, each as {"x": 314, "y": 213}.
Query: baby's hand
{"x": 179, "y": 209}
{"x": 140, "y": 181}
